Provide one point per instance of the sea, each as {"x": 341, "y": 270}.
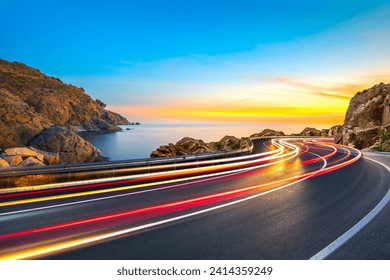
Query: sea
{"x": 138, "y": 141}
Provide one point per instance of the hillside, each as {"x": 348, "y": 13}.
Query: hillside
{"x": 32, "y": 102}
{"x": 367, "y": 121}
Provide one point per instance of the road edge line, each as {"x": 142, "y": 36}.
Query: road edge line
{"x": 332, "y": 247}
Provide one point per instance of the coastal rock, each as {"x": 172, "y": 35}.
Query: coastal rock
{"x": 325, "y": 132}
{"x": 187, "y": 146}
{"x": 230, "y": 143}
{"x": 367, "y": 118}
{"x": 268, "y": 133}
{"x": 70, "y": 147}
{"x": 47, "y": 157}
{"x": 310, "y": 131}
{"x": 3, "y": 163}
{"x": 19, "y": 122}
{"x": 21, "y": 151}
{"x": 14, "y": 160}
{"x": 336, "y": 132}
{"x": 31, "y": 102}
{"x": 31, "y": 161}
{"x": 165, "y": 151}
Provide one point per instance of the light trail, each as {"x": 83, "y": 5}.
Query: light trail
{"x": 43, "y": 246}
{"x": 284, "y": 157}
{"x": 106, "y": 181}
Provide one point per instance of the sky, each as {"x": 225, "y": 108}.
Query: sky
{"x": 222, "y": 61}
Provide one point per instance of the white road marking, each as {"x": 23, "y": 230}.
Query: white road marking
{"x": 356, "y": 228}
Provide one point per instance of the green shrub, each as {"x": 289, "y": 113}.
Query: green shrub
{"x": 235, "y": 146}
{"x": 384, "y": 135}
{"x": 217, "y": 145}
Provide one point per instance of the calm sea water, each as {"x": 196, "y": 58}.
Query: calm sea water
{"x": 141, "y": 140}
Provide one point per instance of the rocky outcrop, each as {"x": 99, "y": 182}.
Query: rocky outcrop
{"x": 23, "y": 156}
{"x": 31, "y": 161}
{"x": 310, "y": 131}
{"x": 325, "y": 132}
{"x": 230, "y": 143}
{"x": 336, "y": 132}
{"x": 31, "y": 102}
{"x": 185, "y": 146}
{"x": 268, "y": 133}
{"x": 48, "y": 158}
{"x": 14, "y": 160}
{"x": 70, "y": 147}
{"x": 189, "y": 145}
{"x": 22, "y": 151}
{"x": 3, "y": 163}
{"x": 367, "y": 118}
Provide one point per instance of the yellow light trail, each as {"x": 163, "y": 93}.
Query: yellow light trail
{"x": 104, "y": 191}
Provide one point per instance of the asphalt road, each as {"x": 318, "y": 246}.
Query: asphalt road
{"x": 282, "y": 206}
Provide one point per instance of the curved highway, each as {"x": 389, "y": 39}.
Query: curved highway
{"x": 290, "y": 199}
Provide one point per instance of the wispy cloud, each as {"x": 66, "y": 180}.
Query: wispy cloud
{"x": 278, "y": 82}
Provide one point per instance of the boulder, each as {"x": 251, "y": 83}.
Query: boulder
{"x": 31, "y": 161}
{"x": 14, "y": 160}
{"x": 310, "y": 131}
{"x": 165, "y": 151}
{"x": 230, "y": 143}
{"x": 70, "y": 146}
{"x": 21, "y": 151}
{"x": 367, "y": 116}
{"x": 268, "y": 133}
{"x": 3, "y": 163}
{"x": 188, "y": 145}
{"x": 336, "y": 132}
{"x": 47, "y": 157}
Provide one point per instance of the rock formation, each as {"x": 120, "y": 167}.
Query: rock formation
{"x": 325, "y": 132}
{"x": 310, "y": 131}
{"x": 367, "y": 121}
{"x": 70, "y": 147}
{"x": 189, "y": 145}
{"x": 22, "y": 156}
{"x": 31, "y": 103}
{"x": 335, "y": 131}
{"x": 268, "y": 133}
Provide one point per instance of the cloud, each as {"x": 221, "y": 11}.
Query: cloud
{"x": 307, "y": 79}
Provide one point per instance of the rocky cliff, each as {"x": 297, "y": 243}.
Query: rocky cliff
{"x": 31, "y": 103}
{"x": 189, "y": 145}
{"x": 367, "y": 121}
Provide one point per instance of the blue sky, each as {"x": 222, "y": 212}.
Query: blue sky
{"x": 150, "y": 59}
